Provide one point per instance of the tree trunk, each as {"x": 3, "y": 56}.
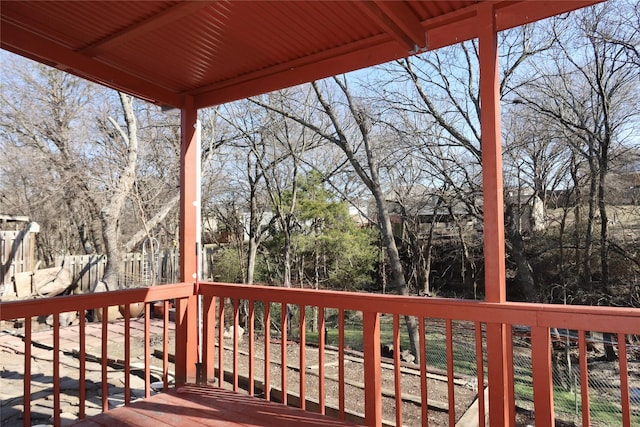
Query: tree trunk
{"x": 252, "y": 253}
{"x": 524, "y": 276}
{"x": 397, "y": 272}
{"x": 588, "y": 235}
{"x": 113, "y": 209}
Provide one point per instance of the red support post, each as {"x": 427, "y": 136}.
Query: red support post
{"x": 492, "y": 186}
{"x": 186, "y": 309}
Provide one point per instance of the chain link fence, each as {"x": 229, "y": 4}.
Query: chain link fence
{"x": 603, "y": 375}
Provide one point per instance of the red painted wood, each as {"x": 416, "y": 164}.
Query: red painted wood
{"x": 615, "y": 319}
{"x": 188, "y": 193}
{"x": 187, "y": 308}
{"x": 61, "y": 304}
{"x": 542, "y": 376}
{"x": 480, "y": 374}
{"x": 450, "y": 385}
{"x": 584, "y": 378}
{"x": 372, "y": 377}
{"x": 511, "y": 394}
{"x": 127, "y": 354}
{"x": 624, "y": 380}
{"x": 321, "y": 340}
{"x": 397, "y": 378}
{"x": 236, "y": 325}
{"x": 82, "y": 389}
{"x": 302, "y": 353}
{"x": 494, "y": 253}
{"x": 206, "y": 406}
{"x": 165, "y": 345}
{"x": 56, "y": 369}
{"x": 221, "y": 341}
{"x": 423, "y": 371}
{"x": 620, "y": 320}
{"x": 283, "y": 352}
{"x": 103, "y": 362}
{"x": 209, "y": 338}
{"x": 251, "y": 320}
{"x": 267, "y": 350}
{"x": 147, "y": 352}
{"x": 341, "y": 363}
{"x": 26, "y": 397}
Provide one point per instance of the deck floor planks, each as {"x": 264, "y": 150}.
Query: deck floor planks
{"x": 208, "y": 406}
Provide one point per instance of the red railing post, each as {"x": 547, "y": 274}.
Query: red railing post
{"x": 542, "y": 376}
{"x": 186, "y": 347}
{"x": 372, "y": 377}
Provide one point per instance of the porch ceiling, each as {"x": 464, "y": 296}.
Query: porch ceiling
{"x": 218, "y": 51}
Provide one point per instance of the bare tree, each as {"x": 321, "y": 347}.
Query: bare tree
{"x": 591, "y": 98}
{"x": 359, "y": 148}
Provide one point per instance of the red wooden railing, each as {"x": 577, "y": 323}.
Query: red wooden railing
{"x": 32, "y": 309}
{"x": 225, "y": 369}
{"x": 538, "y": 319}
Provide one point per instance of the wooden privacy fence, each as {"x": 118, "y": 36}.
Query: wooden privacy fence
{"x": 137, "y": 269}
{"x": 17, "y": 254}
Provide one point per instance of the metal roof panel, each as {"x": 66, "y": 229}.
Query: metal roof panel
{"x": 223, "y": 50}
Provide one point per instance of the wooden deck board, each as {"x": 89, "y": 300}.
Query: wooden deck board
{"x": 207, "y": 406}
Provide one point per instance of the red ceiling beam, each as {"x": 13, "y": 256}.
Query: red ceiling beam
{"x": 167, "y": 16}
{"x": 22, "y": 42}
{"x": 460, "y": 26}
{"x": 398, "y": 20}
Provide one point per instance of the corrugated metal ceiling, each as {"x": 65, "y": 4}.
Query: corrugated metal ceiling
{"x": 217, "y": 51}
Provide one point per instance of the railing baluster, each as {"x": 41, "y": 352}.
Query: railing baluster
{"x": 302, "y": 353}
{"x": 236, "y": 325}
{"x": 105, "y": 385}
{"x": 372, "y": 376}
{"x": 208, "y": 336}
{"x": 511, "y": 395}
{"x": 542, "y": 375}
{"x": 165, "y": 345}
{"x": 82, "y": 387}
{"x": 221, "y": 342}
{"x": 396, "y": 368}
{"x": 267, "y": 350}
{"x": 127, "y": 354}
{"x": 205, "y": 365}
{"x": 480, "y": 374}
{"x": 251, "y": 320}
{"x": 26, "y": 398}
{"x": 56, "y": 369}
{"x": 584, "y": 378}
{"x": 283, "y": 351}
{"x": 321, "y": 340}
{"x": 423, "y": 371}
{"x": 147, "y": 351}
{"x": 624, "y": 380}
{"x": 450, "y": 386}
{"x": 341, "y": 363}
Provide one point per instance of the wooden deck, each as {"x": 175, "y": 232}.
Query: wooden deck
{"x": 193, "y": 405}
